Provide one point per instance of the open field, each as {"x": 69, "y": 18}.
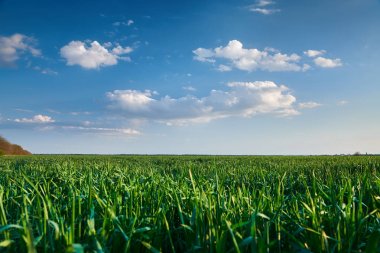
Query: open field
{"x": 189, "y": 204}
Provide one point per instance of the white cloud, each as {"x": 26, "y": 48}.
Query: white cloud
{"x": 250, "y": 59}
{"x": 104, "y": 130}
{"x": 314, "y": 53}
{"x": 327, "y": 63}
{"x": 203, "y": 55}
{"x": 242, "y": 99}
{"x": 263, "y": 3}
{"x": 38, "y": 119}
{"x": 224, "y": 68}
{"x": 121, "y": 50}
{"x": 342, "y": 102}
{"x": 13, "y": 46}
{"x": 80, "y": 113}
{"x": 48, "y": 71}
{"x": 322, "y": 61}
{"x": 261, "y": 7}
{"x": 94, "y": 55}
{"x": 189, "y": 88}
{"x": 45, "y": 71}
{"x": 135, "y": 101}
{"x": 22, "y": 110}
{"x": 86, "y": 123}
{"x": 123, "y": 23}
{"x": 306, "y": 67}
{"x": 309, "y": 105}
{"x": 264, "y": 10}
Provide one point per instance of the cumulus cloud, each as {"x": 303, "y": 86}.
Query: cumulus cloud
{"x": 204, "y": 55}
{"x": 250, "y": 59}
{"x": 309, "y": 105}
{"x": 314, "y": 53}
{"x": 327, "y": 63}
{"x": 37, "y": 119}
{"x": 234, "y": 55}
{"x": 323, "y": 61}
{"x": 241, "y": 99}
{"x": 94, "y": 55}
{"x": 261, "y": 6}
{"x": 15, "y": 45}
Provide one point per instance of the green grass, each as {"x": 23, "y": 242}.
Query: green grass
{"x": 189, "y": 204}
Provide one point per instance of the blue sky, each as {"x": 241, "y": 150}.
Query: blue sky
{"x": 198, "y": 77}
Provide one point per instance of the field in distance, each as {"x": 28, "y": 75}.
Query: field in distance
{"x": 189, "y": 204}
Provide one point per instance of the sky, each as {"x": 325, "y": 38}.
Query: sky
{"x": 260, "y": 77}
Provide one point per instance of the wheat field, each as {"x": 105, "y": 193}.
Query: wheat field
{"x": 88, "y": 203}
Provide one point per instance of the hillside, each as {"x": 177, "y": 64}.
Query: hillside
{"x": 7, "y": 148}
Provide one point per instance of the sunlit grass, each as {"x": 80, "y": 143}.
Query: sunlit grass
{"x": 189, "y": 204}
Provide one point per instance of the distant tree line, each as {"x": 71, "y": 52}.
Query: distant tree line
{"x": 7, "y": 148}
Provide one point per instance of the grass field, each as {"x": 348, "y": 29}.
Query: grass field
{"x": 189, "y": 204}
